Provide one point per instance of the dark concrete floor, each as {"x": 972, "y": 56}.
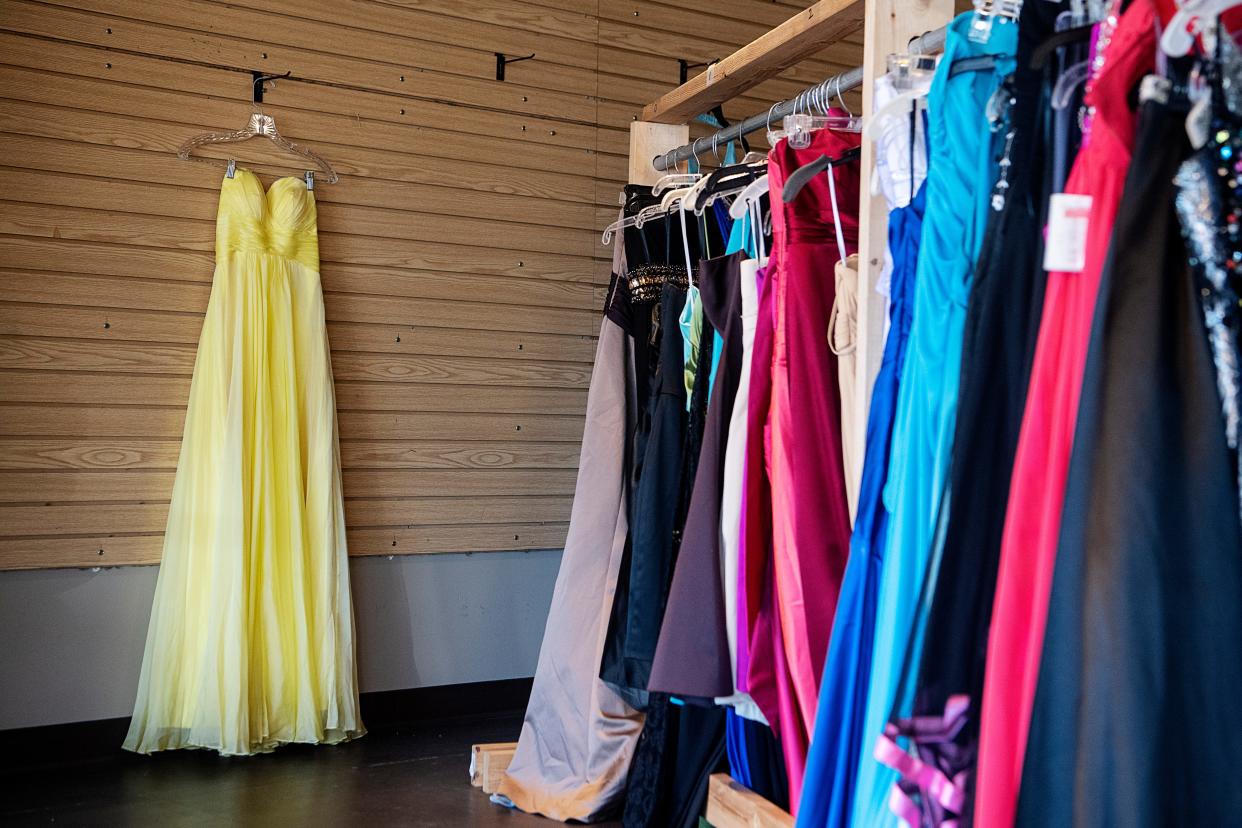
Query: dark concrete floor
{"x": 411, "y": 776}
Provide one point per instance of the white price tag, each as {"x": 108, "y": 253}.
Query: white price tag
{"x": 1065, "y": 248}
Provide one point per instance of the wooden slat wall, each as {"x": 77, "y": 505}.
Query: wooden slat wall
{"x": 461, "y": 264}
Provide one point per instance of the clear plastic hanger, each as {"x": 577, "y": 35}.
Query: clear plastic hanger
{"x": 909, "y": 71}
{"x": 260, "y": 125}
{"x": 723, "y": 182}
{"x": 671, "y": 201}
{"x": 759, "y": 227}
{"x": 987, "y": 12}
{"x": 672, "y": 185}
{"x": 798, "y": 126}
{"x": 693, "y": 193}
{"x": 1068, "y": 82}
{"x": 727, "y": 187}
{"x": 913, "y": 75}
{"x": 674, "y": 181}
{"x": 773, "y": 135}
{"x": 1082, "y": 15}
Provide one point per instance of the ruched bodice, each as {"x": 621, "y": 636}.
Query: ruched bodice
{"x": 279, "y": 221}
{"x": 810, "y": 219}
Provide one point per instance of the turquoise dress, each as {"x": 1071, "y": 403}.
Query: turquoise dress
{"x": 962, "y": 170}
{"x": 831, "y": 766}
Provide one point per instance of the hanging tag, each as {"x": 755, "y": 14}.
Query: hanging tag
{"x": 1065, "y": 248}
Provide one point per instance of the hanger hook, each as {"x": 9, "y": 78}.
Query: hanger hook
{"x": 767, "y": 123}
{"x": 258, "y": 79}
{"x": 694, "y": 149}
{"x": 715, "y": 148}
{"x": 841, "y": 98}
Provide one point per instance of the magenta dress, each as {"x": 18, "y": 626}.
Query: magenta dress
{"x": 797, "y": 523}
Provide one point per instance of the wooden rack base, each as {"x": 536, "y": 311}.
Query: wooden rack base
{"x": 731, "y": 805}
{"x": 488, "y": 763}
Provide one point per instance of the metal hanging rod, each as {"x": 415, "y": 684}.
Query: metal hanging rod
{"x": 924, "y": 44}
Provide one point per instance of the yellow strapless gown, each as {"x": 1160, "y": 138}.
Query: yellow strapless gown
{"x": 251, "y": 642}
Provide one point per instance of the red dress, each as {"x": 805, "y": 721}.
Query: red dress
{"x": 1037, "y": 488}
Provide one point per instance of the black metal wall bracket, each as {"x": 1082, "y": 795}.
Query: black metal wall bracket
{"x": 684, "y": 66}
{"x": 502, "y": 61}
{"x": 258, "y": 79}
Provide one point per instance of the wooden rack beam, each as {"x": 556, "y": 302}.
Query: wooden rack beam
{"x": 732, "y": 805}
{"x": 797, "y": 38}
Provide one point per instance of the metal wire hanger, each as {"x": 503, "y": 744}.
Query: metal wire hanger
{"x": 260, "y": 125}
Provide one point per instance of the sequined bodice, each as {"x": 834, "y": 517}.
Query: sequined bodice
{"x": 1209, "y": 206}
{"x": 279, "y": 221}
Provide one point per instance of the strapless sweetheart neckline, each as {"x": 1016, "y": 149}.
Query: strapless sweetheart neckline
{"x": 279, "y": 219}
{"x": 266, "y": 189}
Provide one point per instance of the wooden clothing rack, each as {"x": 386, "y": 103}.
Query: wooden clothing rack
{"x": 888, "y": 26}
{"x": 661, "y": 140}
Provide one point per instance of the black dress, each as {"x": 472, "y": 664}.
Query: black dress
{"x": 1139, "y": 681}
{"x": 693, "y": 653}
{"x": 658, "y": 449}
{"x": 681, "y": 744}
{"x": 1002, "y": 327}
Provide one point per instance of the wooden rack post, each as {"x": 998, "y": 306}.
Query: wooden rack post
{"x": 889, "y": 26}
{"x": 647, "y": 140}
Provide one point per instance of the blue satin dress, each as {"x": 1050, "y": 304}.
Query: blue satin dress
{"x": 962, "y": 169}
{"x": 831, "y": 768}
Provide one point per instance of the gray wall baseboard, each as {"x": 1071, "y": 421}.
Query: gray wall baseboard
{"x": 71, "y": 640}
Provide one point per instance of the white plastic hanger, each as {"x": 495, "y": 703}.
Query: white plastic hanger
{"x": 674, "y": 180}
{"x": 1190, "y": 20}
{"x": 750, "y": 195}
{"x": 675, "y": 199}
{"x": 898, "y": 107}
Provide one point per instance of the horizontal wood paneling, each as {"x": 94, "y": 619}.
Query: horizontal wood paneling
{"x": 126, "y": 421}
{"x": 130, "y": 389}
{"x": 133, "y": 518}
{"x": 120, "y": 550}
{"x": 20, "y": 453}
{"x": 156, "y": 485}
{"x": 461, "y": 265}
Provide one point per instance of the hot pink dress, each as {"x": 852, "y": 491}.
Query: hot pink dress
{"x": 795, "y": 487}
{"x": 1037, "y": 489}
